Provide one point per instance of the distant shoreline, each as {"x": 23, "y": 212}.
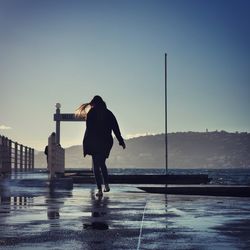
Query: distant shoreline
{"x": 185, "y": 150}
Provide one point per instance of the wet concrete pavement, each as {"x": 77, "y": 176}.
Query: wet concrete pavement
{"x": 125, "y": 218}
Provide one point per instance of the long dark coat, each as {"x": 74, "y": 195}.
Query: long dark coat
{"x": 98, "y": 135}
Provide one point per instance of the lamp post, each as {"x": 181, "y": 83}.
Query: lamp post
{"x": 166, "y": 115}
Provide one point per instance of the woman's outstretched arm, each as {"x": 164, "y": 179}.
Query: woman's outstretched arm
{"x": 117, "y": 132}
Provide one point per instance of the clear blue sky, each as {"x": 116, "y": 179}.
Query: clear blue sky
{"x": 68, "y": 51}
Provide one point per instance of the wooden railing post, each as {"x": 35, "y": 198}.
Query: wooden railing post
{"x": 25, "y": 158}
{"x": 33, "y": 158}
{"x": 29, "y": 158}
{"x": 1, "y": 153}
{"x": 9, "y": 155}
{"x": 15, "y": 157}
{"x": 6, "y": 155}
{"x": 21, "y": 157}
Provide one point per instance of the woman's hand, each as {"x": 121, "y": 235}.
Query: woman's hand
{"x": 122, "y": 144}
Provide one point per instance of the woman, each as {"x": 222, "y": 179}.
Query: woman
{"x": 98, "y": 140}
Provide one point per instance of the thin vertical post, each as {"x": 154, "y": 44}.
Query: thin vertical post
{"x": 15, "y": 163}
{"x": 33, "y": 158}
{"x": 25, "y": 158}
{"x": 58, "y": 124}
{"x": 30, "y": 159}
{"x": 9, "y": 155}
{"x": 1, "y": 153}
{"x": 4, "y": 154}
{"x": 21, "y": 158}
{"x": 166, "y": 116}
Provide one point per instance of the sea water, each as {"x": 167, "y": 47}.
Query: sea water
{"x": 234, "y": 176}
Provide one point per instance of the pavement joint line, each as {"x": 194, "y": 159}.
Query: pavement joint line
{"x": 141, "y": 227}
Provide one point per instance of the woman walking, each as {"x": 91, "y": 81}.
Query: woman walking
{"x": 98, "y": 140}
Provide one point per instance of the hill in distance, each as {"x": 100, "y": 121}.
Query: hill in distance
{"x": 185, "y": 150}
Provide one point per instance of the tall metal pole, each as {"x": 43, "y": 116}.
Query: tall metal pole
{"x": 166, "y": 116}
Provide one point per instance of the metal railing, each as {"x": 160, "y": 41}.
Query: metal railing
{"x": 15, "y": 157}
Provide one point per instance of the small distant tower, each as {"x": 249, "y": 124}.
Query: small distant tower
{"x": 206, "y": 130}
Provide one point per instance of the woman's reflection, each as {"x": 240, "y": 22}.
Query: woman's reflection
{"x": 99, "y": 213}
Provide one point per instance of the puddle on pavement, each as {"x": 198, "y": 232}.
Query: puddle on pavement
{"x": 96, "y": 226}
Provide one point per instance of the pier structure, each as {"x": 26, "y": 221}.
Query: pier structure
{"x": 15, "y": 156}
{"x": 63, "y": 117}
{"x": 55, "y": 158}
{"x": 56, "y": 154}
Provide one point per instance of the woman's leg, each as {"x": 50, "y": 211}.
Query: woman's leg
{"x": 104, "y": 173}
{"x": 104, "y": 170}
{"x": 96, "y": 170}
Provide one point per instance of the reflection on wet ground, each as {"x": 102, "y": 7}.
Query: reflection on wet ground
{"x": 99, "y": 213}
{"x": 125, "y": 218}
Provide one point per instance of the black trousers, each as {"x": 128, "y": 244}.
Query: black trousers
{"x": 100, "y": 169}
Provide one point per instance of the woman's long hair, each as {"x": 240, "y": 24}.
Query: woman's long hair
{"x": 82, "y": 111}
{"x": 97, "y": 103}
